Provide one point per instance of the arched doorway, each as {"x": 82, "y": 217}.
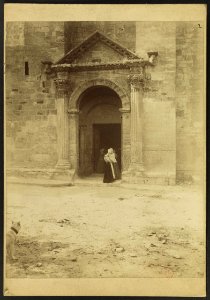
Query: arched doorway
{"x": 99, "y": 127}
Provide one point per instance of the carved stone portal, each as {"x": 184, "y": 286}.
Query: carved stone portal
{"x": 133, "y": 69}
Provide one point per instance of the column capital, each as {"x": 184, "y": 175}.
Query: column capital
{"x": 140, "y": 79}
{"x": 62, "y": 82}
{"x": 137, "y": 77}
{"x": 62, "y": 85}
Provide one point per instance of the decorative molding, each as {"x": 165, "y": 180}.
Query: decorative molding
{"x": 73, "y": 111}
{"x": 124, "y": 110}
{"x": 122, "y": 64}
{"x": 152, "y": 55}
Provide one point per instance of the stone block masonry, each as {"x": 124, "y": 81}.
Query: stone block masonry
{"x": 122, "y": 32}
{"x": 189, "y": 100}
{"x": 159, "y": 127}
{"x": 30, "y": 98}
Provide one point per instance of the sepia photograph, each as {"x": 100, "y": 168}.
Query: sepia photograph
{"x": 104, "y": 150}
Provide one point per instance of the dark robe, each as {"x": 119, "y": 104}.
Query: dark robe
{"x": 108, "y": 176}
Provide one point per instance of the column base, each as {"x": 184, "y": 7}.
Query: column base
{"x": 134, "y": 174}
{"x": 63, "y": 171}
{"x": 63, "y": 165}
{"x": 136, "y": 168}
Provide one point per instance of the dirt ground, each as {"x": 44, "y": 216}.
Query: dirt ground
{"x": 107, "y": 231}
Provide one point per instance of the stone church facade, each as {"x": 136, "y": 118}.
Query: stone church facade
{"x": 73, "y": 88}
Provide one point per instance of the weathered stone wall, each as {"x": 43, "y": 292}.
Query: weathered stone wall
{"x": 122, "y": 32}
{"x": 159, "y": 128}
{"x": 30, "y": 99}
{"x": 173, "y": 107}
{"x": 189, "y": 100}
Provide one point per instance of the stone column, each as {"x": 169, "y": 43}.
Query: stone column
{"x": 136, "y": 130}
{"x": 125, "y": 144}
{"x": 62, "y": 89}
{"x": 74, "y": 140}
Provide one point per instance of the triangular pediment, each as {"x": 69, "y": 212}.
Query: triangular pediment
{"x": 97, "y": 48}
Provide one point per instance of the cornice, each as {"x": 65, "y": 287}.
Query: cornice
{"x": 124, "y": 64}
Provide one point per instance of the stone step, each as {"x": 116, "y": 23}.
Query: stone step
{"x": 95, "y": 183}
{"x": 40, "y": 182}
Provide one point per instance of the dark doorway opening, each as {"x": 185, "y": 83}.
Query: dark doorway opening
{"x": 106, "y": 136}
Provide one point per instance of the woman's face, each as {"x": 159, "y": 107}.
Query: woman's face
{"x": 110, "y": 151}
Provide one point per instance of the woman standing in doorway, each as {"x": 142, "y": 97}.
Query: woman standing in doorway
{"x": 111, "y": 170}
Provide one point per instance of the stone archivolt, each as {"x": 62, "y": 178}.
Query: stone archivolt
{"x": 73, "y": 103}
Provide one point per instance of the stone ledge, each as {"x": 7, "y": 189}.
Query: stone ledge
{"x": 45, "y": 177}
{"x": 149, "y": 180}
{"x": 43, "y": 182}
{"x": 30, "y": 172}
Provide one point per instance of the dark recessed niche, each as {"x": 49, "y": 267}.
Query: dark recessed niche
{"x": 26, "y": 68}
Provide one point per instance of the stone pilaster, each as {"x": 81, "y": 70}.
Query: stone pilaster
{"x": 136, "y": 81}
{"x": 62, "y": 89}
{"x": 63, "y": 170}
